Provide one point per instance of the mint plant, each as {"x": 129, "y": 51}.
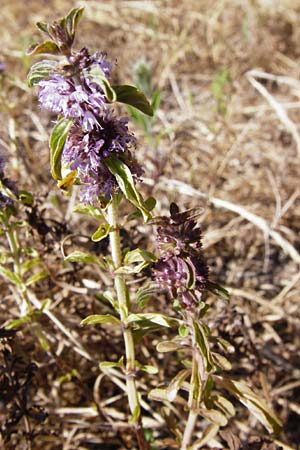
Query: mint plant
{"x": 21, "y": 265}
{"x": 92, "y": 146}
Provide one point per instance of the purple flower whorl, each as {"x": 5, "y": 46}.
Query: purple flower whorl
{"x": 181, "y": 269}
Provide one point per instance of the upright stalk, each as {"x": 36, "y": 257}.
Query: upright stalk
{"x": 121, "y": 291}
{"x": 15, "y": 251}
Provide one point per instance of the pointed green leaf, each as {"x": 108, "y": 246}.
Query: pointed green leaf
{"x": 218, "y": 290}
{"x": 221, "y": 362}
{"x": 36, "y": 277}
{"x": 89, "y": 210}
{"x": 168, "y": 346}
{"x": 255, "y": 404}
{"x": 139, "y": 255}
{"x": 144, "y": 293}
{"x": 17, "y": 322}
{"x": 57, "y": 141}
{"x": 214, "y": 416}
{"x": 25, "y": 197}
{"x": 158, "y": 394}
{"x": 191, "y": 274}
{"x": 158, "y": 319}
{"x": 100, "y": 318}
{"x": 203, "y": 344}
{"x": 207, "y": 435}
{"x": 225, "y": 345}
{"x": 183, "y": 330}
{"x": 155, "y": 102}
{"x": 78, "y": 256}
{"x": 29, "y": 264}
{"x": 128, "y": 270}
{"x": 45, "y": 47}
{"x": 149, "y": 369}
{"x": 40, "y": 71}
{"x": 126, "y": 183}
{"x": 96, "y": 75}
{"x": 132, "y": 96}
{"x": 72, "y": 20}
{"x": 110, "y": 364}
{"x": 135, "y": 415}
{"x": 102, "y": 232}
{"x": 224, "y": 405}
{"x": 42, "y": 26}
{"x": 176, "y": 383}
{"x": 11, "y": 276}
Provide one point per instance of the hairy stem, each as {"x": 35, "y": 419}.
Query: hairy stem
{"x": 196, "y": 386}
{"x": 189, "y": 429}
{"x": 121, "y": 291}
{"x": 14, "y": 245}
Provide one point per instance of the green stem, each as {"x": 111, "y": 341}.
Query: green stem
{"x": 189, "y": 429}
{"x": 121, "y": 290}
{"x": 14, "y": 245}
{"x": 196, "y": 386}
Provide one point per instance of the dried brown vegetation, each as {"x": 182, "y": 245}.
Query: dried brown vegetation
{"x": 226, "y": 138}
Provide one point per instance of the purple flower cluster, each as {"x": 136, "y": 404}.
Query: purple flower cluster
{"x": 181, "y": 269}
{"x": 96, "y": 132}
{"x": 85, "y": 152}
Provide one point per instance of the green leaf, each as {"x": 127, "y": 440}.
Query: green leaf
{"x": 101, "y": 233}
{"x": 255, "y": 404}
{"x": 149, "y": 369}
{"x": 158, "y": 319}
{"x": 214, "y": 416}
{"x": 144, "y": 293}
{"x": 135, "y": 415}
{"x": 221, "y": 362}
{"x": 39, "y": 71}
{"x": 183, "y": 330}
{"x": 218, "y": 290}
{"x": 79, "y": 256}
{"x": 125, "y": 181}
{"x": 176, "y": 383}
{"x": 224, "y": 405}
{"x": 191, "y": 272}
{"x": 57, "y": 141}
{"x": 203, "y": 345}
{"x": 17, "y": 322}
{"x": 139, "y": 118}
{"x": 149, "y": 205}
{"x": 72, "y": 20}
{"x": 132, "y": 96}
{"x": 225, "y": 345}
{"x": 42, "y": 26}
{"x": 36, "y": 277}
{"x": 97, "y": 76}
{"x": 26, "y": 198}
{"x": 110, "y": 364}
{"x": 45, "y": 47}
{"x": 155, "y": 102}
{"x": 169, "y": 346}
{"x": 99, "y": 318}
{"x": 138, "y": 259}
{"x": 11, "y": 276}
{"x": 29, "y": 264}
{"x": 108, "y": 297}
{"x": 138, "y": 255}
{"x": 89, "y": 210}
{"x": 207, "y": 435}
{"x": 158, "y": 394}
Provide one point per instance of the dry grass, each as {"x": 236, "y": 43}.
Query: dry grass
{"x": 232, "y": 148}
